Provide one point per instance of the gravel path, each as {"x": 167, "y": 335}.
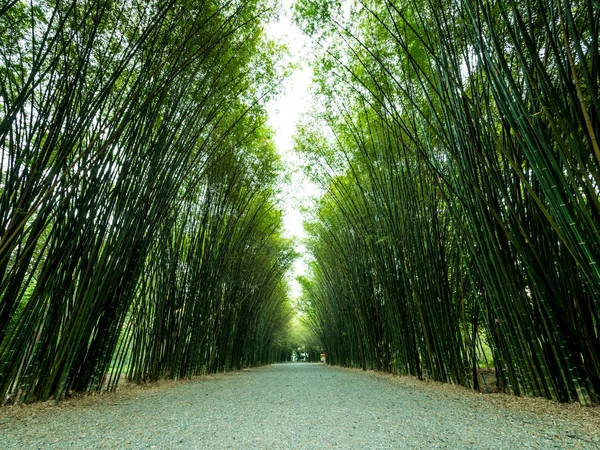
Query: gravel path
{"x": 301, "y": 405}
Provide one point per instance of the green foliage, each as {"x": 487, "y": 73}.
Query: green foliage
{"x": 301, "y": 338}
{"x": 461, "y": 211}
{"x": 138, "y": 223}
{"x": 311, "y": 13}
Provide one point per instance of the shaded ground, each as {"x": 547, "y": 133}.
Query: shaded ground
{"x": 305, "y": 406}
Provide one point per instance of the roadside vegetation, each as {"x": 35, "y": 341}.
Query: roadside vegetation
{"x": 460, "y": 228}
{"x": 140, "y": 235}
{"x": 456, "y": 143}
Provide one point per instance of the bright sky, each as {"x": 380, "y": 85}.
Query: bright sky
{"x": 284, "y": 113}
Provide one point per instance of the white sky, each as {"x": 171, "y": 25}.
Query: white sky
{"x": 284, "y": 114}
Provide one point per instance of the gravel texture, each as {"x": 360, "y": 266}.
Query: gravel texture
{"x": 296, "y": 405}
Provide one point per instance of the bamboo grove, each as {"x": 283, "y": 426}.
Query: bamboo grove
{"x": 139, "y": 231}
{"x": 460, "y": 228}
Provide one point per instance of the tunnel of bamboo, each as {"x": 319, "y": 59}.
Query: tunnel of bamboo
{"x": 455, "y": 142}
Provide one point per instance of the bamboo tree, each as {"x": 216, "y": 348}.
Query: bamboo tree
{"x": 114, "y": 117}
{"x": 471, "y": 133}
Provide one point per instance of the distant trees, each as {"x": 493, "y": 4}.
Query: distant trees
{"x": 300, "y": 338}
{"x": 462, "y": 208}
{"x": 138, "y": 228}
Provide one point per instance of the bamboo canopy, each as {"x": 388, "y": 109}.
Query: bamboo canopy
{"x": 456, "y": 143}
{"x": 460, "y": 226}
{"x": 139, "y": 231}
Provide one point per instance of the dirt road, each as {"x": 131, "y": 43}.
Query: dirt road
{"x": 297, "y": 405}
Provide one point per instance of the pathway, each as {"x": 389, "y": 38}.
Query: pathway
{"x": 301, "y": 405}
